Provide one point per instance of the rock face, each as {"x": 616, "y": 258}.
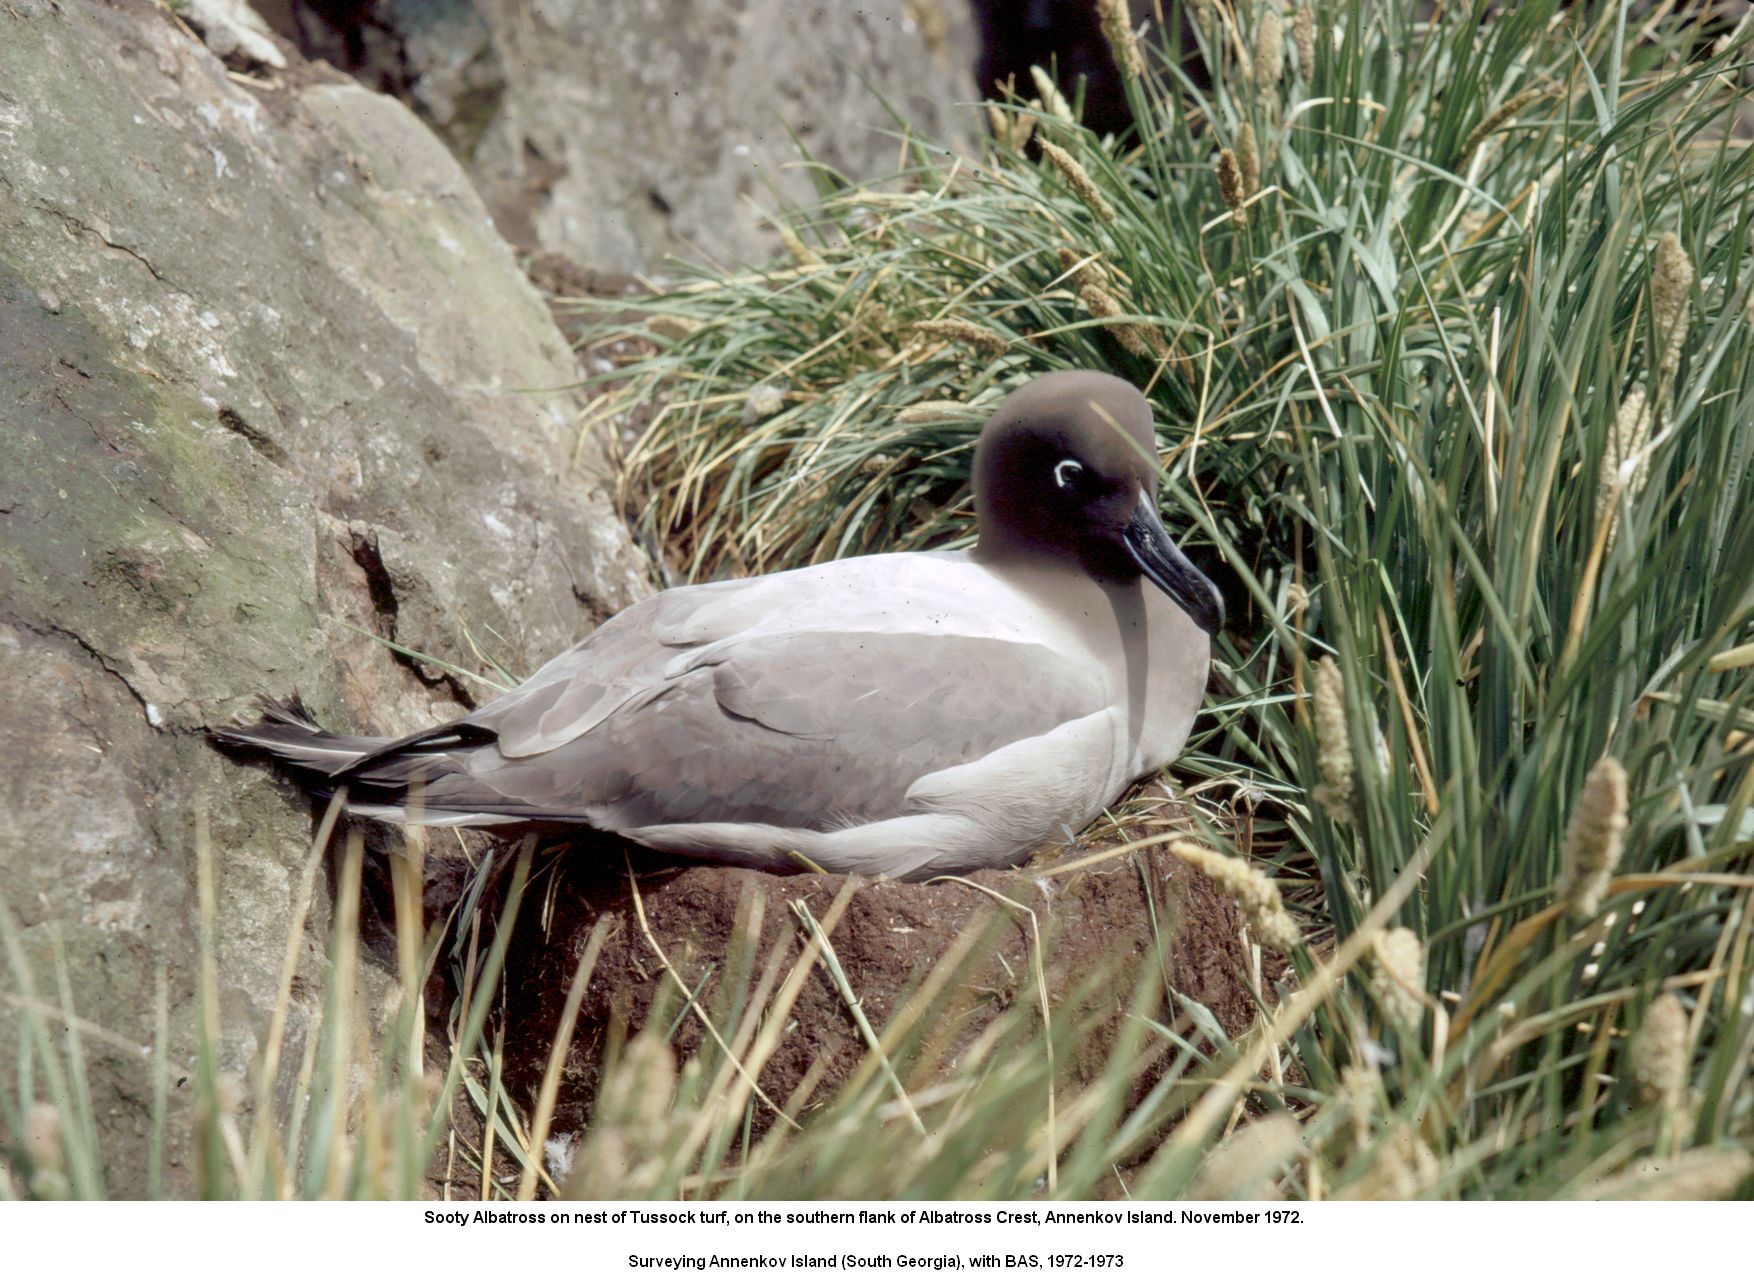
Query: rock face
{"x": 271, "y": 386}
{"x": 619, "y": 133}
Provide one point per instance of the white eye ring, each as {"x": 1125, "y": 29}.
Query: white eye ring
{"x": 1065, "y": 471}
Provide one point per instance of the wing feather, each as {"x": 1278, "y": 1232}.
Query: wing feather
{"x": 809, "y": 730}
{"x": 807, "y": 699}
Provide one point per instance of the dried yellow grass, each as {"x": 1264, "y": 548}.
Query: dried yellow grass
{"x": 933, "y": 409}
{"x": 800, "y": 251}
{"x": 672, "y": 327}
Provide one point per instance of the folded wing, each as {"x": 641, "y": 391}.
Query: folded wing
{"x": 762, "y": 703}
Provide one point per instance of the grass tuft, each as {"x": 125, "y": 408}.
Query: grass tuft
{"x": 1454, "y": 376}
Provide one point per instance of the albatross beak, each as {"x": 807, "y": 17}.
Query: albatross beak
{"x": 1163, "y": 564}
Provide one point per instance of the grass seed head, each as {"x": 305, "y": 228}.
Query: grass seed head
{"x": 1075, "y": 176}
{"x": 1696, "y": 1175}
{"x": 1102, "y": 304}
{"x": 1256, "y": 896}
{"x": 763, "y": 401}
{"x": 1246, "y": 1164}
{"x": 1630, "y": 432}
{"x": 50, "y": 1185}
{"x": 1404, "y": 1168}
{"x": 1303, "y": 35}
{"x": 1361, "y": 1091}
{"x": 1269, "y": 49}
{"x": 1671, "y": 278}
{"x": 984, "y": 339}
{"x": 1248, "y": 161}
{"x": 45, "y": 1159}
{"x": 1011, "y": 128}
{"x": 1656, "y": 1059}
{"x": 650, "y": 1075}
{"x": 1276, "y": 930}
{"x": 1399, "y": 977}
{"x": 1077, "y": 269}
{"x": 1052, "y": 99}
{"x": 1748, "y": 310}
{"x": 42, "y": 1138}
{"x": 1496, "y": 120}
{"x": 1594, "y": 839}
{"x": 621, "y": 1157}
{"x": 1333, "y": 741}
{"x": 1117, "y": 29}
{"x": 1230, "y": 182}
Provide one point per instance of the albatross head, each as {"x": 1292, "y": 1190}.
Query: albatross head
{"x": 1067, "y": 468}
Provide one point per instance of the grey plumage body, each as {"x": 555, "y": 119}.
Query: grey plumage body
{"x": 902, "y": 714}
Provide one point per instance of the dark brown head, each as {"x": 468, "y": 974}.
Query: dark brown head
{"x": 1067, "y": 468}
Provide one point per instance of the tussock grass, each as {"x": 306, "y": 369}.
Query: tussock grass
{"x": 1447, "y": 327}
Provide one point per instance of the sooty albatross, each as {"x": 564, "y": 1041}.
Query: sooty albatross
{"x": 902, "y": 714}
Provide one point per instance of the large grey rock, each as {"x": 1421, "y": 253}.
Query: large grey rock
{"x": 617, "y": 133}
{"x": 267, "y": 370}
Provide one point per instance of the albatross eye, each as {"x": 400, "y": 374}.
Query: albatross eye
{"x": 1066, "y": 473}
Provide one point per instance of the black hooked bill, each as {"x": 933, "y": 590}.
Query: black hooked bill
{"x": 1162, "y": 562}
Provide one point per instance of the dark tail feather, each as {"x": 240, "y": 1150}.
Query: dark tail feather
{"x": 288, "y": 734}
{"x": 383, "y": 776}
